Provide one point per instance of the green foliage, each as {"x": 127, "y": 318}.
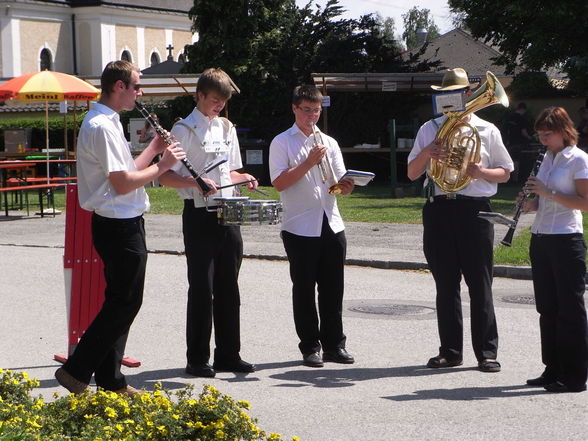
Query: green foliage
{"x": 37, "y": 126}
{"x": 104, "y": 415}
{"x": 270, "y": 46}
{"x": 536, "y": 34}
{"x": 55, "y": 122}
{"x": 416, "y": 20}
{"x": 577, "y": 69}
{"x": 532, "y": 85}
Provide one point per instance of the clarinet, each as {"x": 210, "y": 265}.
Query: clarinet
{"x": 161, "y": 132}
{"x": 507, "y": 241}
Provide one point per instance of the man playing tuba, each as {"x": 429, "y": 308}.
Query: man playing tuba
{"x": 455, "y": 240}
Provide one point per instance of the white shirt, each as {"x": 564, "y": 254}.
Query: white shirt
{"x": 559, "y": 173}
{"x": 101, "y": 149}
{"x": 493, "y": 153}
{"x": 305, "y": 202}
{"x": 198, "y": 133}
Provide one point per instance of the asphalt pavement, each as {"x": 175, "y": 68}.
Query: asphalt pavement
{"x": 389, "y": 319}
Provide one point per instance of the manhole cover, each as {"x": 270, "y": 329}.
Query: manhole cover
{"x": 392, "y": 309}
{"x": 522, "y": 300}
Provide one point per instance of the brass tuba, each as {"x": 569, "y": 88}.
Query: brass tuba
{"x": 462, "y": 139}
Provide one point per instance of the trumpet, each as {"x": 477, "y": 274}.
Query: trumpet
{"x": 325, "y": 167}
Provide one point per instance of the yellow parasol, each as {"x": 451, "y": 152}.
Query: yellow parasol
{"x": 47, "y": 86}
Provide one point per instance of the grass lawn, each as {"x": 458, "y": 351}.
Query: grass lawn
{"x": 367, "y": 204}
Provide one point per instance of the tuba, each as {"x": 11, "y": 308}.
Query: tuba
{"x": 462, "y": 139}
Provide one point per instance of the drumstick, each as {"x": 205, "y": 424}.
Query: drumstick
{"x": 235, "y": 184}
{"x": 242, "y": 183}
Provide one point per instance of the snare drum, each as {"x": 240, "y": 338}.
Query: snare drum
{"x": 243, "y": 211}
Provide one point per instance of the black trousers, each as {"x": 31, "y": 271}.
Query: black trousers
{"x": 317, "y": 261}
{"x": 558, "y": 262}
{"x": 214, "y": 253}
{"x": 457, "y": 242}
{"x": 121, "y": 246}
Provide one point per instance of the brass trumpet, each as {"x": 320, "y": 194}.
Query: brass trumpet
{"x": 325, "y": 168}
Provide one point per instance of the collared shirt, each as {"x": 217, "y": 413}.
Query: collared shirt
{"x": 101, "y": 149}
{"x": 559, "y": 172}
{"x": 493, "y": 153}
{"x": 305, "y": 202}
{"x": 205, "y": 140}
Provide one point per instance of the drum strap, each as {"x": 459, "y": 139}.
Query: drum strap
{"x": 227, "y": 126}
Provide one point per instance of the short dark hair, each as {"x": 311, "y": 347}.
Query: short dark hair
{"x": 557, "y": 120}
{"x": 306, "y": 92}
{"x": 114, "y": 71}
{"x": 215, "y": 80}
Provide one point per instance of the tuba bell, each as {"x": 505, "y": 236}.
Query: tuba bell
{"x": 462, "y": 139}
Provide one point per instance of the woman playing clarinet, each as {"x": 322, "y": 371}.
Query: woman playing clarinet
{"x": 558, "y": 253}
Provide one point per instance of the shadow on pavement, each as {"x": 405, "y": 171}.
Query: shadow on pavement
{"x": 469, "y": 393}
{"x": 321, "y": 377}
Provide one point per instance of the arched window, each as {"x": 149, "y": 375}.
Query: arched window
{"x": 126, "y": 56}
{"x": 46, "y": 60}
{"x": 155, "y": 58}
{"x": 181, "y": 59}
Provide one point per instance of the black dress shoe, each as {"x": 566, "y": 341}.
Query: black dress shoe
{"x": 489, "y": 365}
{"x": 441, "y": 362}
{"x": 339, "y": 355}
{"x": 235, "y": 366}
{"x": 200, "y": 370}
{"x": 540, "y": 381}
{"x": 313, "y": 359}
{"x": 558, "y": 387}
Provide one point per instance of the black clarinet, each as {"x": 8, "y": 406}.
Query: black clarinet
{"x": 507, "y": 241}
{"x": 161, "y": 132}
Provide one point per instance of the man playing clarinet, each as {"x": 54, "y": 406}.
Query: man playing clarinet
{"x": 110, "y": 183}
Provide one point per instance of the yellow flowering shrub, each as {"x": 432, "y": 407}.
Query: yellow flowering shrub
{"x": 106, "y": 416}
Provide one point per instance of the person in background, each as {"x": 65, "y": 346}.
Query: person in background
{"x": 519, "y": 132}
{"x": 456, "y": 241}
{"x": 213, "y": 252}
{"x": 558, "y": 253}
{"x": 148, "y": 132}
{"x": 312, "y": 228}
{"x": 583, "y": 129}
{"x": 111, "y": 184}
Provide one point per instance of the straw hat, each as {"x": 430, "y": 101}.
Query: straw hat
{"x": 453, "y": 79}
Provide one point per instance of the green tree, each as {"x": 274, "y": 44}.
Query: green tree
{"x": 538, "y": 35}
{"x": 416, "y": 20}
{"x": 270, "y": 46}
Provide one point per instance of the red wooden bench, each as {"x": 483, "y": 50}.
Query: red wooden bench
{"x": 83, "y": 273}
{"x": 40, "y": 180}
{"x": 26, "y": 188}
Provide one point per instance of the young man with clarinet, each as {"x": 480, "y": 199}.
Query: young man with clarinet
{"x": 110, "y": 183}
{"x": 213, "y": 251}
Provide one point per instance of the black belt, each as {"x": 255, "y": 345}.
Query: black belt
{"x": 449, "y": 197}
{"x": 553, "y": 235}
